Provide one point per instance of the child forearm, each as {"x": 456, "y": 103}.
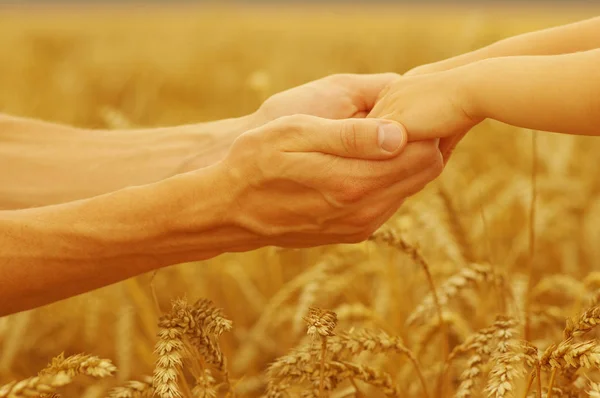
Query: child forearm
{"x": 558, "y": 93}
{"x": 579, "y": 36}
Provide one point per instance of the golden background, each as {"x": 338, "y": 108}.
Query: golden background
{"x": 159, "y": 65}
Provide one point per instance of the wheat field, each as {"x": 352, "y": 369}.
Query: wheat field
{"x": 487, "y": 283}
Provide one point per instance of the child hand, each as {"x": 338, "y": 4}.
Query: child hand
{"x": 429, "y": 106}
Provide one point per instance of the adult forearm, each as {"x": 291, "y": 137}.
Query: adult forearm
{"x": 45, "y": 163}
{"x": 533, "y": 91}
{"x": 579, "y": 36}
{"x": 53, "y": 252}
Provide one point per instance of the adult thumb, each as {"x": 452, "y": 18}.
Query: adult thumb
{"x": 352, "y": 138}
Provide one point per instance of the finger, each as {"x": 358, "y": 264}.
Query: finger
{"x": 352, "y": 180}
{"x": 415, "y": 157}
{"x": 415, "y": 183}
{"x": 389, "y": 200}
{"x": 365, "y": 90}
{"x": 372, "y": 139}
{"x": 368, "y": 215}
{"x": 394, "y": 195}
{"x": 447, "y": 146}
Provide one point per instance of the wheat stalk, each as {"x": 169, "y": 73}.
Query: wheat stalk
{"x": 468, "y": 277}
{"x": 169, "y": 348}
{"x": 583, "y": 324}
{"x": 134, "y": 389}
{"x": 205, "y": 386}
{"x": 388, "y": 237}
{"x": 80, "y": 364}
{"x": 35, "y": 386}
{"x": 505, "y": 359}
{"x": 480, "y": 345}
{"x": 321, "y": 323}
{"x": 594, "y": 390}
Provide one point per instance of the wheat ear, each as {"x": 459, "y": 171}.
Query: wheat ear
{"x": 134, "y": 389}
{"x": 393, "y": 240}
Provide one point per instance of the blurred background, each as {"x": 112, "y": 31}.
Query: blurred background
{"x": 125, "y": 64}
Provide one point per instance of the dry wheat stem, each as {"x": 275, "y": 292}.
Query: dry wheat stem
{"x": 169, "y": 348}
{"x": 321, "y": 323}
{"x": 532, "y": 359}
{"x": 35, "y": 386}
{"x": 205, "y": 386}
{"x": 585, "y": 323}
{"x": 534, "y": 167}
{"x": 338, "y": 371}
{"x": 80, "y": 364}
{"x": 551, "y": 383}
{"x": 538, "y": 371}
{"x": 530, "y": 381}
{"x": 456, "y": 225}
{"x": 594, "y": 390}
{"x": 469, "y": 276}
{"x": 134, "y": 389}
{"x": 58, "y": 373}
{"x": 506, "y": 359}
{"x": 153, "y": 88}
{"x": 389, "y": 238}
{"x": 357, "y": 392}
{"x": 480, "y": 345}
{"x": 368, "y": 375}
{"x": 323, "y": 353}
{"x": 343, "y": 345}
{"x": 248, "y": 349}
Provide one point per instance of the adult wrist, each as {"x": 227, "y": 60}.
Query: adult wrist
{"x": 205, "y": 144}
{"x": 198, "y": 218}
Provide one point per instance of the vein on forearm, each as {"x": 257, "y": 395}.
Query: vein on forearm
{"x": 46, "y": 163}
{"x": 53, "y": 252}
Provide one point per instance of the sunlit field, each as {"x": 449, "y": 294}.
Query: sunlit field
{"x": 505, "y": 282}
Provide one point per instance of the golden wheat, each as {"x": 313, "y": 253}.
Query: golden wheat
{"x": 470, "y": 232}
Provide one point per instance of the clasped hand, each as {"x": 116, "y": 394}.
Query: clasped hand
{"x": 308, "y": 179}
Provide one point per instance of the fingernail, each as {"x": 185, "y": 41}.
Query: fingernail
{"x": 391, "y": 136}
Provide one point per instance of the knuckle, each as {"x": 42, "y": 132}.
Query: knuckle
{"x": 292, "y": 122}
{"x": 285, "y": 129}
{"x": 248, "y": 138}
{"x": 247, "y": 142}
{"x": 351, "y": 193}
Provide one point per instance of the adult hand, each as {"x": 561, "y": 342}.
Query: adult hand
{"x": 296, "y": 182}
{"x": 333, "y": 97}
{"x": 429, "y": 106}
{"x": 303, "y": 181}
{"x": 339, "y": 96}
